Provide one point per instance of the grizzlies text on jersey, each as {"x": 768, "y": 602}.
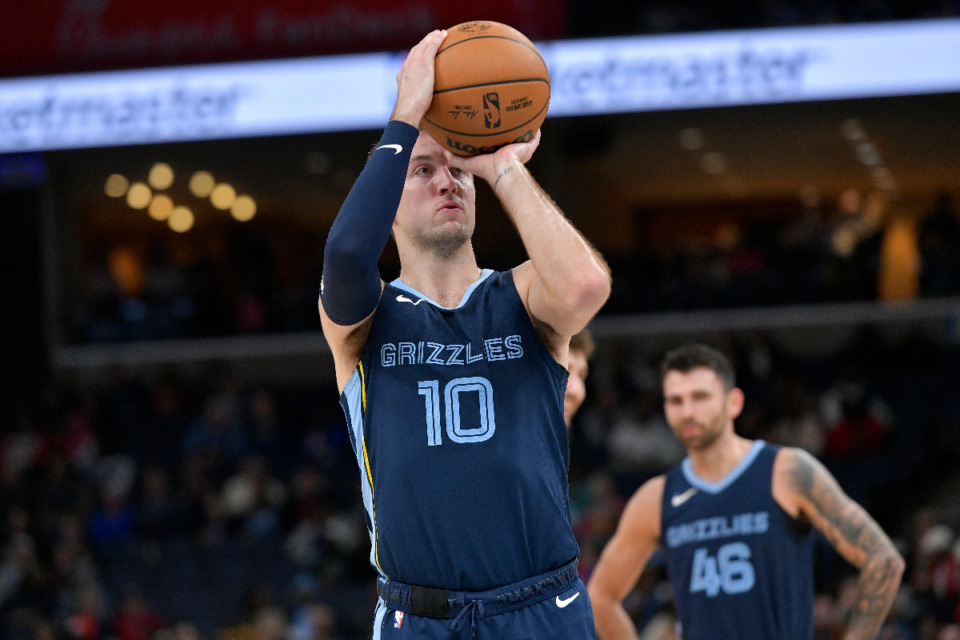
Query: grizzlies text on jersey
{"x": 741, "y": 567}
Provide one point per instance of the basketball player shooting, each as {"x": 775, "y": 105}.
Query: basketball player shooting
{"x": 452, "y": 380}
{"x": 735, "y": 525}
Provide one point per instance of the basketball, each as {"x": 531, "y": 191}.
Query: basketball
{"x": 491, "y": 88}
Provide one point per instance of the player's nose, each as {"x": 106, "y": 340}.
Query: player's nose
{"x": 446, "y": 181}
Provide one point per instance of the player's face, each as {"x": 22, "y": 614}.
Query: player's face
{"x": 698, "y": 407}
{"x": 437, "y": 210}
{"x": 576, "y": 384}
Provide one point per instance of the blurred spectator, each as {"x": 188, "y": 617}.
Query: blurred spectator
{"x": 158, "y": 511}
{"x": 217, "y": 437}
{"x": 113, "y": 520}
{"x": 642, "y": 445}
{"x": 23, "y": 581}
{"x": 798, "y": 423}
{"x": 858, "y": 423}
{"x": 855, "y": 239}
{"x": 252, "y": 498}
{"x": 938, "y": 239}
{"x": 937, "y": 574}
{"x": 186, "y": 630}
{"x": 265, "y": 431}
{"x": 135, "y": 619}
{"x": 596, "y": 507}
{"x": 87, "y": 619}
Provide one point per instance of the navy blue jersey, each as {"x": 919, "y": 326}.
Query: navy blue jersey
{"x": 456, "y": 417}
{"x": 740, "y": 566}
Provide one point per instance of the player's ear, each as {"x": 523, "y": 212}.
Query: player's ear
{"x": 735, "y": 400}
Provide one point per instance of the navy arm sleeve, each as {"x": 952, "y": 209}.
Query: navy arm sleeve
{"x": 350, "y": 284}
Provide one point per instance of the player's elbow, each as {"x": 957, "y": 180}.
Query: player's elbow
{"x": 601, "y": 600}
{"x": 590, "y": 289}
{"x": 896, "y": 565}
{"x": 604, "y": 610}
{"x": 888, "y": 566}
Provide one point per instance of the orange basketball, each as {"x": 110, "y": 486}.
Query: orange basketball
{"x": 492, "y": 88}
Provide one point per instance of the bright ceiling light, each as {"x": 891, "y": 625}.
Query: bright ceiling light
{"x": 116, "y": 185}
{"x": 223, "y": 196}
{"x": 160, "y": 207}
{"x": 181, "y": 219}
{"x": 139, "y": 196}
{"x": 243, "y": 208}
{"x": 161, "y": 176}
{"x": 201, "y": 184}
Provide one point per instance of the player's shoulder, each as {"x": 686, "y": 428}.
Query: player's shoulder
{"x": 649, "y": 495}
{"x": 794, "y": 473}
{"x": 795, "y": 462}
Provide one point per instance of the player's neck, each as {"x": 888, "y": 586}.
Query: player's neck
{"x": 720, "y": 458}
{"x": 444, "y": 281}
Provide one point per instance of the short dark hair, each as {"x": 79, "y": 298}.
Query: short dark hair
{"x": 583, "y": 341}
{"x": 693, "y": 355}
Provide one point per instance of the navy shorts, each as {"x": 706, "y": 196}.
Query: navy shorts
{"x": 564, "y": 616}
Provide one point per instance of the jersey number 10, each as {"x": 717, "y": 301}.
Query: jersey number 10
{"x": 430, "y": 390}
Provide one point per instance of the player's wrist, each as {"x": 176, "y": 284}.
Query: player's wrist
{"x": 506, "y": 170}
{"x": 410, "y": 109}
{"x": 407, "y": 115}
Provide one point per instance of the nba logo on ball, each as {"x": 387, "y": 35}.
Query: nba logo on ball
{"x": 491, "y": 110}
{"x": 489, "y": 67}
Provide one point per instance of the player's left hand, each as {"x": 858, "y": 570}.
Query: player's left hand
{"x": 490, "y": 166}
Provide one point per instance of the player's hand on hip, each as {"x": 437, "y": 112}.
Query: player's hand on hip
{"x": 415, "y": 79}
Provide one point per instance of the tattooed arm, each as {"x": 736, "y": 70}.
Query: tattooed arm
{"x": 806, "y": 490}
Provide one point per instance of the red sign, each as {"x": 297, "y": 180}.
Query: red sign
{"x": 56, "y": 36}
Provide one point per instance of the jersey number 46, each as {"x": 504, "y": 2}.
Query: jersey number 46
{"x": 729, "y": 571}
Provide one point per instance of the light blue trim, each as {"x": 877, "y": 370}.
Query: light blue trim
{"x": 717, "y": 487}
{"x": 400, "y": 284}
{"x": 353, "y": 394}
{"x": 378, "y": 615}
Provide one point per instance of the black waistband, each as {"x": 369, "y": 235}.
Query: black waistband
{"x": 441, "y": 603}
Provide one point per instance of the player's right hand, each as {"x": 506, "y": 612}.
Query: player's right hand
{"x": 415, "y": 79}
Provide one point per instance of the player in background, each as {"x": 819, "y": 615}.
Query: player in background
{"x": 735, "y": 525}
{"x": 581, "y": 350}
{"x": 452, "y": 380}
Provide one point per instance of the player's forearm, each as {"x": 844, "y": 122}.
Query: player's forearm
{"x": 570, "y": 268}
{"x": 350, "y": 288}
{"x": 879, "y": 580}
{"x": 611, "y": 620}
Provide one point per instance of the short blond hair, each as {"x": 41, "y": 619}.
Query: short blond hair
{"x": 583, "y": 341}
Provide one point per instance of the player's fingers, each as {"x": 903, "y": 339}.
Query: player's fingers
{"x": 427, "y": 48}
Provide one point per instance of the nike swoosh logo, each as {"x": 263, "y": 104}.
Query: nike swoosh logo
{"x": 679, "y": 498}
{"x": 562, "y": 603}
{"x": 396, "y": 148}
{"x": 403, "y": 298}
